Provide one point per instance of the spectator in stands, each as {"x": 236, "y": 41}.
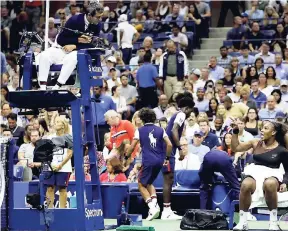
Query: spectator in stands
{"x": 156, "y": 57}
{"x": 284, "y": 90}
{"x": 12, "y": 66}
{"x": 162, "y": 106}
{"x": 189, "y": 162}
{"x": 191, "y": 124}
{"x": 205, "y": 74}
{"x": 210, "y": 139}
{"x": 52, "y": 31}
{"x": 235, "y": 67}
{"x": 110, "y": 23}
{"x": 119, "y": 100}
{"x": 148, "y": 45}
{"x": 280, "y": 104}
{"x": 245, "y": 59}
{"x": 194, "y": 16}
{"x": 174, "y": 18}
{"x": 252, "y": 122}
{"x": 127, "y": 35}
{"x": 5, "y": 111}
{"x": 236, "y": 33}
{"x": 19, "y": 24}
{"x": 130, "y": 94}
{"x": 150, "y": 23}
{"x": 259, "y": 65}
{"x": 245, "y": 21}
{"x": 139, "y": 19}
{"x": 226, "y": 144}
{"x": 280, "y": 68}
{"x": 220, "y": 128}
{"x": 14, "y": 83}
{"x": 243, "y": 135}
{"x": 163, "y": 9}
{"x": 43, "y": 128}
{"x": 249, "y": 74}
{"x": 268, "y": 57}
{"x": 255, "y": 13}
{"x": 26, "y": 155}
{"x": 34, "y": 9}
{"x": 136, "y": 121}
{"x": 146, "y": 78}
{"x": 235, "y": 94}
{"x": 270, "y": 17}
{"x": 263, "y": 86}
{"x": 228, "y": 81}
{"x": 270, "y": 111}
{"x": 213, "y": 105}
{"x": 179, "y": 38}
{"x": 245, "y": 97}
{"x": 134, "y": 61}
{"x": 74, "y": 10}
{"x": 196, "y": 150}
{"x": 225, "y": 59}
{"x": 114, "y": 172}
{"x": 195, "y": 80}
{"x": 121, "y": 8}
{"x": 173, "y": 68}
{"x": 100, "y": 105}
{"x": 201, "y": 103}
{"x": 254, "y": 37}
{"x": 279, "y": 39}
{"x": 216, "y": 71}
{"x": 225, "y": 6}
{"x": 203, "y": 8}
{"x": 17, "y": 131}
{"x": 234, "y": 110}
{"x": 114, "y": 80}
{"x": 271, "y": 77}
{"x": 222, "y": 93}
{"x": 62, "y": 16}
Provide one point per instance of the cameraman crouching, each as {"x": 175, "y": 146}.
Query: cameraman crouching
{"x": 61, "y": 164}
{"x": 64, "y": 50}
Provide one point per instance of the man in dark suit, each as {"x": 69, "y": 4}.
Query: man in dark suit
{"x": 17, "y": 131}
{"x": 64, "y": 50}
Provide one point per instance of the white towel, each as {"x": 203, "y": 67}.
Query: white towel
{"x": 260, "y": 174}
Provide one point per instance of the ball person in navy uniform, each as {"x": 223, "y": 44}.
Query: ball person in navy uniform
{"x": 67, "y": 42}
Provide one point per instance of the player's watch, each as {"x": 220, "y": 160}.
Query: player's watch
{"x": 179, "y": 148}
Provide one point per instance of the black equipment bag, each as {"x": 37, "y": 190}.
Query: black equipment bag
{"x": 196, "y": 219}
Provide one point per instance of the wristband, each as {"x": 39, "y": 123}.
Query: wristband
{"x": 167, "y": 158}
{"x": 235, "y": 131}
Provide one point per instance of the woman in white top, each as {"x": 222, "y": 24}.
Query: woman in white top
{"x": 163, "y": 9}
{"x": 281, "y": 105}
{"x": 263, "y": 86}
{"x": 118, "y": 100}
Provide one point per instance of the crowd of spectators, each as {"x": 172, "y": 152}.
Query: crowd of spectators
{"x": 246, "y": 84}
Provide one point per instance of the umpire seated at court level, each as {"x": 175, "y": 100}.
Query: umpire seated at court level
{"x": 146, "y": 78}
{"x": 64, "y": 50}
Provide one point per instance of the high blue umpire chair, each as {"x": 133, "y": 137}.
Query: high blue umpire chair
{"x": 89, "y": 213}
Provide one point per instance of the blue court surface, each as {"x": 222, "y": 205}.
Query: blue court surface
{"x": 160, "y": 225}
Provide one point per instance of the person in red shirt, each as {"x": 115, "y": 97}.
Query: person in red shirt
{"x": 114, "y": 172}
{"x": 120, "y": 130}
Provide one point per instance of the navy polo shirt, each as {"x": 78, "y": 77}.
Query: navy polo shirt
{"x": 259, "y": 99}
{"x": 211, "y": 141}
{"x": 146, "y": 75}
{"x": 99, "y": 109}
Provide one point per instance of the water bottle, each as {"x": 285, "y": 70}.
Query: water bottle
{"x": 123, "y": 218}
{"x": 123, "y": 209}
